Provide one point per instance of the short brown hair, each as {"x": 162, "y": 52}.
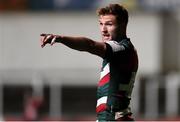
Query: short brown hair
{"x": 117, "y": 10}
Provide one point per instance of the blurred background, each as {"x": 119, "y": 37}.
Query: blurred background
{"x": 57, "y": 83}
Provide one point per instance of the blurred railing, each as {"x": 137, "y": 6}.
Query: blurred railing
{"x": 155, "y": 97}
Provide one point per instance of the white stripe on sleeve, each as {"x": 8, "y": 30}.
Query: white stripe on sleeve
{"x": 115, "y": 46}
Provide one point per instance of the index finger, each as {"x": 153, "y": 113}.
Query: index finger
{"x": 43, "y": 34}
{"x": 42, "y": 41}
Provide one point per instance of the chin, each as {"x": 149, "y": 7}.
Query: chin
{"x": 106, "y": 39}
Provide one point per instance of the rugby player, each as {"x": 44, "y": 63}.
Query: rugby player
{"x": 120, "y": 62}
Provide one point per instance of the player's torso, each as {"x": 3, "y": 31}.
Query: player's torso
{"x": 116, "y": 82}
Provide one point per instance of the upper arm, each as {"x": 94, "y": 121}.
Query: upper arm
{"x": 97, "y": 48}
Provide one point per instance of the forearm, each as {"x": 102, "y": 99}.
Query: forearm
{"x": 77, "y": 43}
{"x": 83, "y": 44}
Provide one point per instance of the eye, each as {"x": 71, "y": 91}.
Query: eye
{"x": 100, "y": 23}
{"x": 109, "y": 24}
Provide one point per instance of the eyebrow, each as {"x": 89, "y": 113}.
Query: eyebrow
{"x": 107, "y": 21}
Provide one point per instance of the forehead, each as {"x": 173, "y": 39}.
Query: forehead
{"x": 108, "y": 17}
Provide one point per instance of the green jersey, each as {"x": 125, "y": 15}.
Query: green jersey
{"x": 117, "y": 79}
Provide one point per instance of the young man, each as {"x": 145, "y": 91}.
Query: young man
{"x": 120, "y": 62}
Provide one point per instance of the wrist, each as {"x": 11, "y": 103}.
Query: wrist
{"x": 58, "y": 38}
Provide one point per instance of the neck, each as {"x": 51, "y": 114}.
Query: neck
{"x": 123, "y": 36}
{"x": 122, "y": 32}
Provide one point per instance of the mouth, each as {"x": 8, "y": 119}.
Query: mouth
{"x": 106, "y": 36}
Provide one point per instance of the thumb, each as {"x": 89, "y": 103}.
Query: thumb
{"x": 53, "y": 40}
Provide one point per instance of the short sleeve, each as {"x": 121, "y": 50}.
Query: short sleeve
{"x": 112, "y": 48}
{"x": 116, "y": 47}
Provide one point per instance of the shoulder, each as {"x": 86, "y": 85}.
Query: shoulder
{"x": 115, "y": 46}
{"x": 122, "y": 45}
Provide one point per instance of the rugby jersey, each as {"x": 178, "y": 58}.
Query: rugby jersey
{"x": 117, "y": 79}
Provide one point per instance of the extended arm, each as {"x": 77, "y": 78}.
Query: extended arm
{"x": 77, "y": 43}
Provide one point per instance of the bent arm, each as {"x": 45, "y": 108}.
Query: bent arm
{"x": 80, "y": 44}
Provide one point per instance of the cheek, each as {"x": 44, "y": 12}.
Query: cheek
{"x": 112, "y": 30}
{"x": 114, "y": 33}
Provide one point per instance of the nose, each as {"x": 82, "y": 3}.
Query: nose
{"x": 103, "y": 28}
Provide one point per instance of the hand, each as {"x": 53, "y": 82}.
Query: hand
{"x": 47, "y": 39}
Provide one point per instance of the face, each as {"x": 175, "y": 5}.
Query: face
{"x": 109, "y": 27}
